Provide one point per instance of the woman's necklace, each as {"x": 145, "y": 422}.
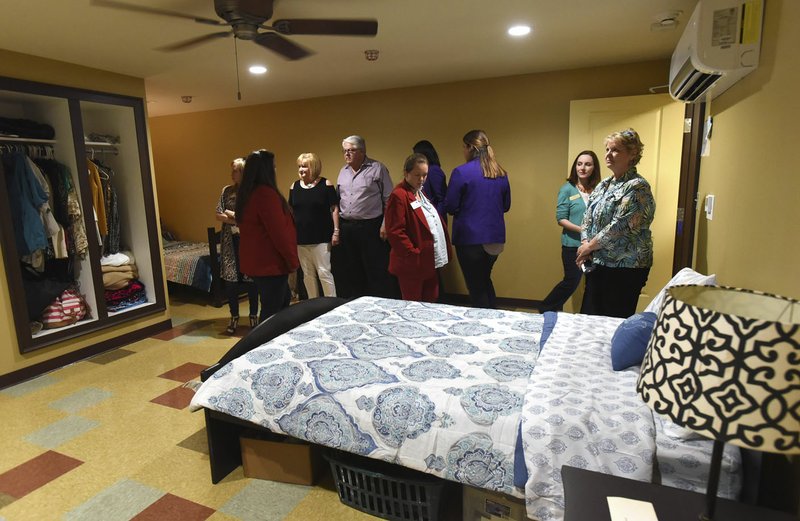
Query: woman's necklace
{"x": 312, "y": 184}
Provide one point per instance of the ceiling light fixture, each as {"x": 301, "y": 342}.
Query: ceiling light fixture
{"x": 519, "y": 30}
{"x": 371, "y": 54}
{"x": 257, "y": 69}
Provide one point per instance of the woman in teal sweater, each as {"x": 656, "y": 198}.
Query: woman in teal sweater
{"x": 572, "y": 198}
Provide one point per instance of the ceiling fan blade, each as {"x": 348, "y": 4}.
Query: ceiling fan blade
{"x": 153, "y": 10}
{"x": 334, "y": 27}
{"x": 192, "y": 42}
{"x": 282, "y": 46}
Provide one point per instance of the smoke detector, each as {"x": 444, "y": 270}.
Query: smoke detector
{"x": 666, "y": 21}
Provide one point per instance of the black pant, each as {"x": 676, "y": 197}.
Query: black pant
{"x": 555, "y": 300}
{"x": 234, "y": 289}
{"x": 613, "y": 292}
{"x": 360, "y": 262}
{"x": 476, "y": 265}
{"x": 274, "y": 293}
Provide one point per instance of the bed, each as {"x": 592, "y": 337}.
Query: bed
{"x": 493, "y": 399}
{"x": 196, "y": 265}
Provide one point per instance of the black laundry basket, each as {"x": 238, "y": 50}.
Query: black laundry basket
{"x": 385, "y": 490}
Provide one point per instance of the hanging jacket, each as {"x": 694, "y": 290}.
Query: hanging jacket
{"x": 27, "y": 196}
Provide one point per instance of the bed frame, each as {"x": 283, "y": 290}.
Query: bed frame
{"x": 223, "y": 431}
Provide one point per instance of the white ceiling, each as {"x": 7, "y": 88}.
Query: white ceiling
{"x": 420, "y": 41}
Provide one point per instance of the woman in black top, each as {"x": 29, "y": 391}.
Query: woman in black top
{"x": 316, "y": 213}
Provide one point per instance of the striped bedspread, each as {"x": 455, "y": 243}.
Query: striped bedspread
{"x": 187, "y": 263}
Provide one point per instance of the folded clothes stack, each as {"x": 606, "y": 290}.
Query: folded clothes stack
{"x": 133, "y": 294}
{"x": 122, "y": 287}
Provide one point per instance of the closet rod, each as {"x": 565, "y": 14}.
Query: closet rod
{"x": 91, "y": 151}
{"x": 36, "y": 148}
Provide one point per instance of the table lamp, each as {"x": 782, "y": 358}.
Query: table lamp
{"x": 725, "y": 363}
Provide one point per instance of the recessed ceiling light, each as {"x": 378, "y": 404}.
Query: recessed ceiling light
{"x": 257, "y": 69}
{"x": 519, "y": 30}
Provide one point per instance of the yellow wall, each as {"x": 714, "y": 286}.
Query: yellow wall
{"x": 752, "y": 242}
{"x": 15, "y": 65}
{"x": 526, "y": 118}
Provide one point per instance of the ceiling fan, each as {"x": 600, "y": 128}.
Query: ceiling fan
{"x": 247, "y": 20}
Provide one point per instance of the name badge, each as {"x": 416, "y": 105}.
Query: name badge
{"x": 573, "y": 197}
{"x": 415, "y": 204}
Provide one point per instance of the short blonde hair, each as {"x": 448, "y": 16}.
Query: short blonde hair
{"x": 238, "y": 164}
{"x": 629, "y": 139}
{"x": 314, "y": 163}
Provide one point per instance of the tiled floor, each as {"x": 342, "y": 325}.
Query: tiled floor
{"x": 110, "y": 439}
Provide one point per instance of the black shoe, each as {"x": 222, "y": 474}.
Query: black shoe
{"x": 232, "y": 326}
{"x": 253, "y": 320}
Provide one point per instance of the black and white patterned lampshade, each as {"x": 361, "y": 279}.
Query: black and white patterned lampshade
{"x": 725, "y": 363}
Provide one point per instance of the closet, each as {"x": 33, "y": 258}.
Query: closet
{"x": 79, "y": 126}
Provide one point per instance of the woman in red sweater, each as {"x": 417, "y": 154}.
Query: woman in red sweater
{"x": 267, "y": 235}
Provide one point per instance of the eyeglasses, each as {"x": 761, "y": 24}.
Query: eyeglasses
{"x": 349, "y": 151}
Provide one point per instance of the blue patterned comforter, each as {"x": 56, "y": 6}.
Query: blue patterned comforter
{"x": 428, "y": 386}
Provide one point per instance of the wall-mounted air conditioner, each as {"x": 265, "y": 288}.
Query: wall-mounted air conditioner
{"x": 719, "y": 46}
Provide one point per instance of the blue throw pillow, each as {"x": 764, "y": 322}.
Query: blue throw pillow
{"x": 630, "y": 340}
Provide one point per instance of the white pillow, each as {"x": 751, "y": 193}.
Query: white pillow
{"x": 685, "y": 276}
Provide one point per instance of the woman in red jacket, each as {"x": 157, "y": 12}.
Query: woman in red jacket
{"x": 416, "y": 233}
{"x": 267, "y": 235}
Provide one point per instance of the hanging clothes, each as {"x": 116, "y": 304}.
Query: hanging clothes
{"x": 98, "y": 199}
{"x": 111, "y": 244}
{"x": 53, "y": 229}
{"x": 26, "y": 195}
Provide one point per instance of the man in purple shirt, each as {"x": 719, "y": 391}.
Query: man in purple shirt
{"x": 360, "y": 262}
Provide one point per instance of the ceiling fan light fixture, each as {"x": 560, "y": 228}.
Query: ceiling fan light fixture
{"x": 371, "y": 54}
{"x": 519, "y": 30}
{"x": 257, "y": 69}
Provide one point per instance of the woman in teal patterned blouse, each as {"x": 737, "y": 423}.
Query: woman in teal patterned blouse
{"x": 615, "y": 235}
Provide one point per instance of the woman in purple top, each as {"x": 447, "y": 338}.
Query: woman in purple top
{"x": 435, "y": 187}
{"x": 478, "y": 196}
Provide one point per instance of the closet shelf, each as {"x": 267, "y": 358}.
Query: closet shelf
{"x": 7, "y": 139}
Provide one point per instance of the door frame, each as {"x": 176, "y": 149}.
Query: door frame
{"x": 688, "y": 197}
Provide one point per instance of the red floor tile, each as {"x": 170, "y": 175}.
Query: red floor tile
{"x": 177, "y": 398}
{"x": 33, "y": 474}
{"x": 174, "y": 507}
{"x": 184, "y": 373}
